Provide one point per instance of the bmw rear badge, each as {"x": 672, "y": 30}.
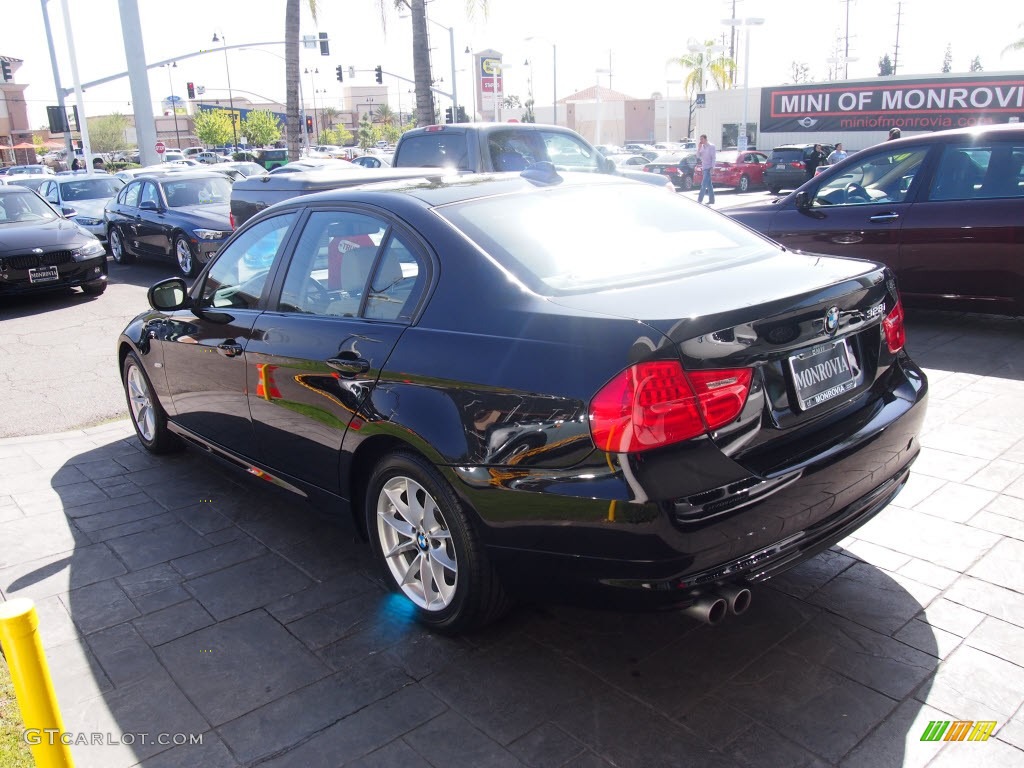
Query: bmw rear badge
{"x": 831, "y": 320}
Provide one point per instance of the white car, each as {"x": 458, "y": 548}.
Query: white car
{"x": 83, "y": 195}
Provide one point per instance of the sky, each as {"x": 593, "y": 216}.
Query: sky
{"x": 634, "y": 41}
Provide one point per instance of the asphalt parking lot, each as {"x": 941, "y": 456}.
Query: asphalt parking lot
{"x": 182, "y": 601}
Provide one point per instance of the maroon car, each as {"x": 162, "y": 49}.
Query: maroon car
{"x": 944, "y": 210}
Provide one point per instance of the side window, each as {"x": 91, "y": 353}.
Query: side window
{"x": 883, "y": 177}
{"x": 50, "y": 191}
{"x": 568, "y": 153}
{"x": 331, "y": 265}
{"x": 970, "y": 171}
{"x": 130, "y": 196}
{"x": 397, "y": 285}
{"x": 149, "y": 194}
{"x": 237, "y": 277}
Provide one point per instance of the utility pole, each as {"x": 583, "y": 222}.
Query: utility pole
{"x": 896, "y": 53}
{"x": 846, "y": 53}
{"x": 732, "y": 47}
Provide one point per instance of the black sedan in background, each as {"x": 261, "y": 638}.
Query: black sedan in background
{"x": 678, "y": 168}
{"x": 505, "y": 400}
{"x": 40, "y": 250}
{"x": 181, "y": 216}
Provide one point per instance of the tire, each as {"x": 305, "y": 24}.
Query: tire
{"x": 147, "y": 416}
{"x": 744, "y": 185}
{"x": 95, "y": 288}
{"x": 687, "y": 183}
{"x": 117, "y": 248}
{"x": 434, "y": 531}
{"x": 775, "y": 190}
{"x": 186, "y": 259}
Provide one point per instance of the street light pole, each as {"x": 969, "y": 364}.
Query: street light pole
{"x": 597, "y": 90}
{"x": 741, "y": 137}
{"x": 174, "y": 105}
{"x": 554, "y": 79}
{"x": 231, "y": 98}
{"x": 312, "y": 80}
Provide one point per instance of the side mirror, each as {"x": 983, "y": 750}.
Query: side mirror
{"x": 803, "y": 200}
{"x": 169, "y": 295}
{"x": 68, "y": 212}
{"x": 607, "y": 164}
{"x": 149, "y": 205}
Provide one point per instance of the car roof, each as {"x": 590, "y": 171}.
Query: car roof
{"x": 485, "y": 128}
{"x": 180, "y": 175}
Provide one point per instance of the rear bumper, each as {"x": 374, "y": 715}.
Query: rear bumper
{"x": 580, "y": 536}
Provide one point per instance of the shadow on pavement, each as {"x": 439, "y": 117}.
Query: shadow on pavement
{"x": 183, "y": 599}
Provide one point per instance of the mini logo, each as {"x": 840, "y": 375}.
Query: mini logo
{"x": 37, "y": 250}
{"x": 807, "y": 122}
{"x": 832, "y": 320}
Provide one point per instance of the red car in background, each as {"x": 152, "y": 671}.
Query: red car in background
{"x": 740, "y": 170}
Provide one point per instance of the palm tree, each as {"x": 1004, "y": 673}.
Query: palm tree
{"x": 385, "y": 115}
{"x": 327, "y": 117}
{"x": 701, "y": 66}
{"x": 1016, "y": 46}
{"x": 291, "y": 73}
{"x": 421, "y": 51}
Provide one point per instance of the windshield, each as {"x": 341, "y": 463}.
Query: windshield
{"x": 90, "y": 189}
{"x": 21, "y": 206}
{"x": 550, "y": 239}
{"x": 184, "y": 192}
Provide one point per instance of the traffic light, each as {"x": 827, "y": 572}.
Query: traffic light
{"x": 341, "y": 73}
{"x": 191, "y": 89}
{"x": 447, "y": 114}
{"x": 325, "y": 48}
{"x": 309, "y": 124}
{"x": 5, "y": 66}
{"x": 463, "y": 117}
{"x": 379, "y": 74}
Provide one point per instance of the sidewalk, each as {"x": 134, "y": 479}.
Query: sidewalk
{"x": 182, "y": 599}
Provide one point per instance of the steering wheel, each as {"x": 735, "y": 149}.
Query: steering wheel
{"x": 317, "y": 295}
{"x": 855, "y": 193}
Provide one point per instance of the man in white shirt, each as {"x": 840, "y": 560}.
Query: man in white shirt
{"x": 837, "y": 154}
{"x": 706, "y": 154}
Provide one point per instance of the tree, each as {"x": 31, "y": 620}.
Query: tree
{"x": 106, "y": 134}
{"x": 701, "y": 66}
{"x": 884, "y": 66}
{"x": 801, "y": 72}
{"x": 420, "y": 50}
{"x": 976, "y": 64}
{"x": 1017, "y": 45}
{"x": 339, "y": 136}
{"x": 291, "y": 73}
{"x": 385, "y": 115}
{"x": 367, "y": 131}
{"x": 327, "y": 117}
{"x": 511, "y": 101}
{"x": 261, "y": 128}
{"x": 212, "y": 126}
{"x": 528, "y": 116}
{"x": 947, "y": 59}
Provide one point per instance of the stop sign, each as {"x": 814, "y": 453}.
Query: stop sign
{"x": 160, "y": 147}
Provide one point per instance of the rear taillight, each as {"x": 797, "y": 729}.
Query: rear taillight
{"x": 895, "y": 330}
{"x": 654, "y": 404}
{"x": 671, "y": 169}
{"x": 797, "y": 164}
{"x": 231, "y": 220}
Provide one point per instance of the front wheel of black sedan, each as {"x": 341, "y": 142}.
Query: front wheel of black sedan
{"x": 148, "y": 417}
{"x": 186, "y": 259}
{"x": 687, "y": 183}
{"x": 421, "y": 534}
{"x": 117, "y": 249}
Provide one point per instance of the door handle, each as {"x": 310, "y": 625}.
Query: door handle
{"x": 884, "y": 217}
{"x": 230, "y": 348}
{"x": 350, "y": 366}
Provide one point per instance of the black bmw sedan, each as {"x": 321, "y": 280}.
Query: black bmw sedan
{"x": 180, "y": 216}
{"x": 40, "y": 250}
{"x": 545, "y": 384}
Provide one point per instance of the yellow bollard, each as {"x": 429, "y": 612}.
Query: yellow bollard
{"x": 23, "y": 649}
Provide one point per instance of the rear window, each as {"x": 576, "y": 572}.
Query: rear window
{"x": 786, "y": 155}
{"x": 549, "y": 238}
{"x": 434, "y": 150}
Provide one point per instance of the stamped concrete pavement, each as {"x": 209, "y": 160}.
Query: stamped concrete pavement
{"x": 193, "y": 617}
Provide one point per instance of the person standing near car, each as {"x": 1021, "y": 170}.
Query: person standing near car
{"x": 816, "y": 158}
{"x": 837, "y": 154}
{"x": 706, "y": 154}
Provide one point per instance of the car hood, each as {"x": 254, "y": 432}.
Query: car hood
{"x": 54, "y": 235}
{"x": 650, "y": 178}
{"x": 213, "y": 216}
{"x": 92, "y": 207}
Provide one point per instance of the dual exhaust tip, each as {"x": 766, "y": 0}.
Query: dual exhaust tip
{"x": 711, "y": 608}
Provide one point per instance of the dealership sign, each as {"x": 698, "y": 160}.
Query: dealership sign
{"x": 923, "y": 104}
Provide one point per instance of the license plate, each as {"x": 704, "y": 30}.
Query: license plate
{"x": 823, "y": 372}
{"x": 42, "y": 274}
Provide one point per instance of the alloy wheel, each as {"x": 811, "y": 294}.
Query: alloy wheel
{"x": 141, "y": 403}
{"x": 184, "y": 255}
{"x": 416, "y": 543}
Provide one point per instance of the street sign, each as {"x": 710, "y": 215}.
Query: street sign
{"x": 701, "y": 100}
{"x": 160, "y": 147}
